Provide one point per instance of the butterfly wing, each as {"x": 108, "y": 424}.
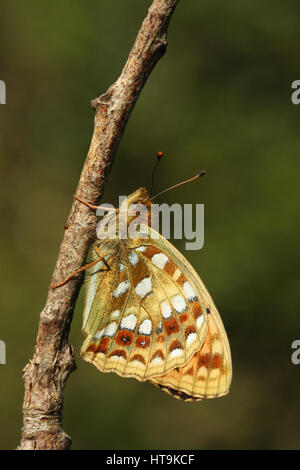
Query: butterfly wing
{"x": 151, "y": 319}
{"x": 98, "y": 279}
{"x": 208, "y": 373}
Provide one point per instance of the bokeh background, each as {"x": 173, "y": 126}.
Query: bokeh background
{"x": 221, "y": 100}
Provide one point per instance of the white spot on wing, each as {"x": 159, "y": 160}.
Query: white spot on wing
{"x": 122, "y": 267}
{"x": 199, "y": 322}
{"x": 191, "y": 338}
{"x": 137, "y": 363}
{"x": 110, "y": 329}
{"x": 189, "y": 292}
{"x": 160, "y": 260}
{"x": 116, "y": 358}
{"x": 121, "y": 289}
{"x": 115, "y": 314}
{"x": 141, "y": 248}
{"x": 133, "y": 258}
{"x": 98, "y": 335}
{"x": 144, "y": 287}
{"x": 176, "y": 352}
{"x": 129, "y": 322}
{"x": 166, "y": 310}
{"x": 157, "y": 360}
{"x": 145, "y": 327}
{"x": 179, "y": 304}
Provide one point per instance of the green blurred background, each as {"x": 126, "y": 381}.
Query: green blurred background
{"x": 221, "y": 100}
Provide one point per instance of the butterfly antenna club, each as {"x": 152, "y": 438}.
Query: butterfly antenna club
{"x": 158, "y": 158}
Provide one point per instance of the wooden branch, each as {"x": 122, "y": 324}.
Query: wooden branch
{"x": 53, "y": 361}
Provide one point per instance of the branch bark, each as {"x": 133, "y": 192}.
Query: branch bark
{"x": 53, "y": 360}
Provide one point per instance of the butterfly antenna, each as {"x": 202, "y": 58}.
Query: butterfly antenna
{"x": 202, "y": 173}
{"x": 158, "y": 158}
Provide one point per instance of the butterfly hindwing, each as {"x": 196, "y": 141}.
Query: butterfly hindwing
{"x": 208, "y": 374}
{"x": 154, "y": 318}
{"x": 148, "y": 315}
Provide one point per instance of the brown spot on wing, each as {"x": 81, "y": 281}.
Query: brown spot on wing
{"x": 197, "y": 310}
{"x": 217, "y": 362}
{"x": 203, "y": 360}
{"x": 92, "y": 348}
{"x": 151, "y": 251}
{"x": 103, "y": 346}
{"x": 158, "y": 353}
{"x": 189, "y": 330}
{"x": 142, "y": 341}
{"x": 176, "y": 344}
{"x": 183, "y": 317}
{"x": 139, "y": 273}
{"x": 171, "y": 326}
{"x": 181, "y": 279}
{"x": 124, "y": 338}
{"x": 139, "y": 358}
{"x": 118, "y": 303}
{"x": 201, "y": 378}
{"x": 190, "y": 371}
{"x": 118, "y": 352}
{"x": 207, "y": 360}
{"x": 161, "y": 339}
{"x": 170, "y": 268}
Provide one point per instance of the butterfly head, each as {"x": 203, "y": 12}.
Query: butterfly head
{"x": 137, "y": 203}
{"x": 140, "y": 196}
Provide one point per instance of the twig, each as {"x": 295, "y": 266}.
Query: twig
{"x": 53, "y": 361}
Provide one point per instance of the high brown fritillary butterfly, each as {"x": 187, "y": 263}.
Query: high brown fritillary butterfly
{"x": 149, "y": 316}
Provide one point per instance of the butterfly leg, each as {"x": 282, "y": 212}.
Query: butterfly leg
{"x": 91, "y": 206}
{"x": 81, "y": 269}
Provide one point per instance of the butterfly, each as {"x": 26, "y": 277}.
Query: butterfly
{"x": 148, "y": 315}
